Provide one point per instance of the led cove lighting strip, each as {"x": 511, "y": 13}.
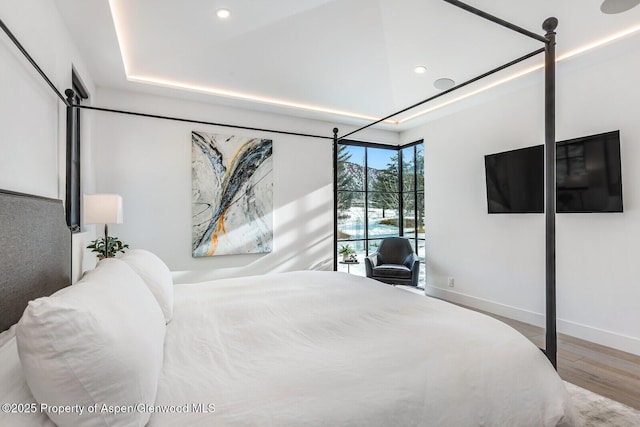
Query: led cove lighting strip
{"x": 254, "y": 98}
{"x": 120, "y": 34}
{"x": 472, "y": 93}
{"x": 560, "y": 58}
{"x": 116, "y": 18}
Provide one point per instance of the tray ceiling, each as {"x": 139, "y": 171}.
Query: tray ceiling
{"x": 337, "y": 60}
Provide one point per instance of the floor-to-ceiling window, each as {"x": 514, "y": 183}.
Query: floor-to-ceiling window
{"x": 75, "y": 96}
{"x": 412, "y": 174}
{"x": 380, "y": 193}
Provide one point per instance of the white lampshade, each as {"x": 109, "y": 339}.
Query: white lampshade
{"x": 102, "y": 209}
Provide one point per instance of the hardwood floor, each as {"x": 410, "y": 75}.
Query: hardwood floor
{"x": 603, "y": 370}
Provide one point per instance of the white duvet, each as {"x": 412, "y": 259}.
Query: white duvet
{"x": 331, "y": 349}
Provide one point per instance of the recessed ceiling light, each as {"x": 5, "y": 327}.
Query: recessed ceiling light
{"x": 444, "y": 84}
{"x": 611, "y": 7}
{"x": 563, "y": 57}
{"x": 420, "y": 69}
{"x": 223, "y": 13}
{"x": 131, "y": 76}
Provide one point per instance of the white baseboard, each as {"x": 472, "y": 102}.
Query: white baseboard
{"x": 515, "y": 313}
{"x": 567, "y": 327}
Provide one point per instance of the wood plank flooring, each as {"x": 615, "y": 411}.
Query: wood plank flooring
{"x": 603, "y": 370}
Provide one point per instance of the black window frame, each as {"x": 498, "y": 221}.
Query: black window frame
{"x": 75, "y": 96}
{"x": 415, "y": 191}
{"x": 400, "y": 191}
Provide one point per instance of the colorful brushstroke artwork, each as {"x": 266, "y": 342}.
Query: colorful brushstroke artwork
{"x": 232, "y": 194}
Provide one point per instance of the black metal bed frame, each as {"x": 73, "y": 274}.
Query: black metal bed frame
{"x": 549, "y": 40}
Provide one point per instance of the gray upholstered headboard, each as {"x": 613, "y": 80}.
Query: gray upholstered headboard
{"x": 35, "y": 252}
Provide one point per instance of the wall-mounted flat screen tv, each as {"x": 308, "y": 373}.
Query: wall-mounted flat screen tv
{"x": 515, "y": 181}
{"x": 588, "y": 177}
{"x": 589, "y": 174}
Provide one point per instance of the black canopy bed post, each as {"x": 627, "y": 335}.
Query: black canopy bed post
{"x": 33, "y": 63}
{"x": 498, "y": 21}
{"x": 551, "y": 343}
{"x": 335, "y": 198}
{"x": 549, "y": 25}
{"x": 549, "y": 39}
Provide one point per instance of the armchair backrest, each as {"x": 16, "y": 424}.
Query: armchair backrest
{"x": 394, "y": 250}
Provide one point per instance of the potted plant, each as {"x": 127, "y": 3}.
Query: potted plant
{"x": 112, "y": 247}
{"x": 346, "y": 251}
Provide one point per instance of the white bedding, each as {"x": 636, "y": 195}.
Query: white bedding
{"x": 330, "y": 349}
{"x": 14, "y": 390}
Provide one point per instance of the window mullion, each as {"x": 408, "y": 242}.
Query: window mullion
{"x": 415, "y": 194}
{"x": 366, "y": 201}
{"x": 400, "y": 194}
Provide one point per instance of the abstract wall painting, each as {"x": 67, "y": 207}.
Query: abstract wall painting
{"x": 232, "y": 194}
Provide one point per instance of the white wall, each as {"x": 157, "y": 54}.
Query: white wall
{"x": 498, "y": 260}
{"x": 32, "y": 118}
{"x": 148, "y": 162}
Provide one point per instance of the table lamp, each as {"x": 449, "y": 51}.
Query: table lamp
{"x": 103, "y": 209}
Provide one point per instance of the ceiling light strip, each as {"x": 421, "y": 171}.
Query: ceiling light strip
{"x": 116, "y": 16}
{"x": 563, "y": 57}
{"x": 461, "y": 85}
{"x": 470, "y": 94}
{"x": 120, "y": 33}
{"x": 599, "y": 43}
{"x": 238, "y": 95}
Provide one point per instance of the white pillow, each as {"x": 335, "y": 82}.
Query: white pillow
{"x": 156, "y": 275}
{"x": 14, "y": 389}
{"x": 98, "y": 342}
{"x": 8, "y": 335}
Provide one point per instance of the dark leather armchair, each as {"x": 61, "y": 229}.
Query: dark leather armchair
{"x": 394, "y": 263}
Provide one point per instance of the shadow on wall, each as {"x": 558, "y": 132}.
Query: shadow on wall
{"x": 302, "y": 240}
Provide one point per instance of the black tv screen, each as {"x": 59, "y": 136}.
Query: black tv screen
{"x": 588, "y": 177}
{"x": 589, "y": 174}
{"x": 515, "y": 181}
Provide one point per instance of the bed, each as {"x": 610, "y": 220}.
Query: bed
{"x": 125, "y": 346}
